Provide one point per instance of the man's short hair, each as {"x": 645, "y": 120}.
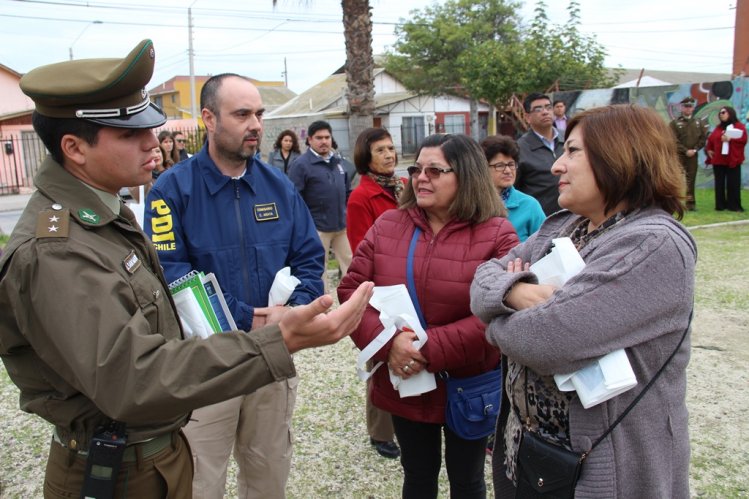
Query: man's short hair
{"x": 209, "y": 92}
{"x": 316, "y": 126}
{"x": 51, "y": 131}
{"x": 558, "y": 101}
{"x": 531, "y": 97}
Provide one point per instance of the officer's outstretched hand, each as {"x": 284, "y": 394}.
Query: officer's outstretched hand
{"x": 308, "y": 326}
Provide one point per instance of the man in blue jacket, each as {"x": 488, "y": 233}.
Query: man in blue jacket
{"x": 226, "y": 212}
{"x": 325, "y": 186}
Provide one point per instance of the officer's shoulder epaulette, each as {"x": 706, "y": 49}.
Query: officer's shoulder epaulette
{"x": 53, "y": 222}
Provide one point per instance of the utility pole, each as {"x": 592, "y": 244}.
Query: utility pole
{"x": 191, "y": 54}
{"x": 285, "y": 73}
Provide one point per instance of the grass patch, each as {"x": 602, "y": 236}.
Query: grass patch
{"x": 706, "y": 214}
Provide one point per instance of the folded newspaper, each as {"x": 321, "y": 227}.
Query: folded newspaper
{"x": 608, "y": 376}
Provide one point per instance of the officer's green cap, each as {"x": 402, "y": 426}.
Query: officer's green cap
{"x": 689, "y": 101}
{"x": 109, "y": 92}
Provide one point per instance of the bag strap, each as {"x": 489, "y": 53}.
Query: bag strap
{"x": 410, "y": 277}
{"x": 647, "y": 387}
{"x": 635, "y": 401}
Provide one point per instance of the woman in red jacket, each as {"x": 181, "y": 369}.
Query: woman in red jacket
{"x": 452, "y": 207}
{"x": 727, "y": 167}
{"x": 378, "y": 191}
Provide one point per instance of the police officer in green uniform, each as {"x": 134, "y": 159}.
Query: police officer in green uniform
{"x": 89, "y": 332}
{"x": 691, "y": 134}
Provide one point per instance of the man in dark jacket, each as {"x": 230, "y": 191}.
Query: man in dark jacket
{"x": 325, "y": 186}
{"x": 225, "y": 211}
{"x": 539, "y": 148}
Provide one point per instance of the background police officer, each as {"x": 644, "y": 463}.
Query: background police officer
{"x": 89, "y": 332}
{"x": 691, "y": 134}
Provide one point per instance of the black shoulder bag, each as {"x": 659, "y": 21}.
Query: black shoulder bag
{"x": 549, "y": 471}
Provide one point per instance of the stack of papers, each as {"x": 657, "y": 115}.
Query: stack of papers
{"x": 608, "y": 376}
{"x": 200, "y": 305}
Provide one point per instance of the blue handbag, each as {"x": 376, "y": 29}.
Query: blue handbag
{"x": 473, "y": 403}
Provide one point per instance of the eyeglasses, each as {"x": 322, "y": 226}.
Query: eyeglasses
{"x": 181, "y": 141}
{"x": 432, "y": 172}
{"x": 500, "y": 166}
{"x": 539, "y": 109}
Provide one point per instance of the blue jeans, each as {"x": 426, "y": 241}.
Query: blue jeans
{"x": 421, "y": 458}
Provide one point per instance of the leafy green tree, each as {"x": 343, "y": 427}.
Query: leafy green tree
{"x": 476, "y": 48}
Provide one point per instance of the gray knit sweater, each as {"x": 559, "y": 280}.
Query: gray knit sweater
{"x": 636, "y": 292}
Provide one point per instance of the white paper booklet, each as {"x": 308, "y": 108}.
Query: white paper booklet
{"x": 605, "y": 378}
{"x": 733, "y": 133}
{"x": 396, "y": 312}
{"x": 608, "y": 376}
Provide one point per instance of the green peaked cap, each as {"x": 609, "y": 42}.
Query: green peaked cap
{"x": 109, "y": 92}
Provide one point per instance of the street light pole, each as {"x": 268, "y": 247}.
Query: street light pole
{"x": 70, "y": 49}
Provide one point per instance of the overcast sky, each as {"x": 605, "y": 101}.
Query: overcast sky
{"x": 250, "y": 38}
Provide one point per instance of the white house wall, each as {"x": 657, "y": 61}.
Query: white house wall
{"x": 451, "y": 104}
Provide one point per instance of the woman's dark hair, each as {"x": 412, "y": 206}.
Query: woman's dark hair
{"x": 500, "y": 144}
{"x": 294, "y": 141}
{"x": 732, "y": 118}
{"x": 363, "y": 147}
{"x": 51, "y": 131}
{"x": 476, "y": 200}
{"x": 632, "y": 153}
{"x": 171, "y": 157}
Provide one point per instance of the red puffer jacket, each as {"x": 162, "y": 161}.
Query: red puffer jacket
{"x": 443, "y": 270}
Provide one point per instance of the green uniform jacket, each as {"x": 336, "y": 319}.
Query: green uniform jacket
{"x": 690, "y": 134}
{"x": 89, "y": 331}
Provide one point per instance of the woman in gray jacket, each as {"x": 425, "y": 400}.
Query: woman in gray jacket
{"x": 620, "y": 182}
{"x": 285, "y": 151}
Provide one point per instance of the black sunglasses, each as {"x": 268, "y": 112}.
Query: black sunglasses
{"x": 431, "y": 171}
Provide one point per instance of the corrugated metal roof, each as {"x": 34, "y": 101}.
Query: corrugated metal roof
{"x": 673, "y": 77}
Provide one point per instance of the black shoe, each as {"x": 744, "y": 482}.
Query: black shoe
{"x": 389, "y": 449}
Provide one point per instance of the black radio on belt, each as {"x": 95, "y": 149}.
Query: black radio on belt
{"x": 104, "y": 459}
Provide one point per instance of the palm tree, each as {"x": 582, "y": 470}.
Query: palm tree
{"x": 357, "y": 31}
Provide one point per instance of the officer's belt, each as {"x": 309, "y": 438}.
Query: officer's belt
{"x": 147, "y": 448}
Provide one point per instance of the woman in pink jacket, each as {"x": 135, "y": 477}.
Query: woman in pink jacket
{"x": 727, "y": 167}
{"x": 450, "y": 205}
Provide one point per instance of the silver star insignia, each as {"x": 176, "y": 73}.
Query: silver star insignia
{"x": 52, "y": 228}
{"x": 88, "y": 216}
{"x": 53, "y": 218}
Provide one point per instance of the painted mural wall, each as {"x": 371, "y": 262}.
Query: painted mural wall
{"x": 665, "y": 99}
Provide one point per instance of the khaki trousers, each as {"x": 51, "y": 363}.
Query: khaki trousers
{"x": 257, "y": 427}
{"x": 341, "y": 248}
{"x": 379, "y": 422}
{"x": 166, "y": 474}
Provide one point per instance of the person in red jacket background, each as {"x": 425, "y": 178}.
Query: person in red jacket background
{"x": 727, "y": 167}
{"x": 451, "y": 200}
{"x": 378, "y": 191}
